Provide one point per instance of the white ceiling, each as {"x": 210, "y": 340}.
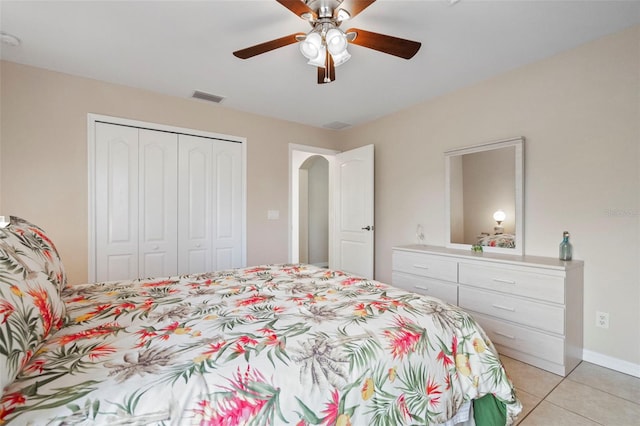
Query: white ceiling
{"x": 176, "y": 47}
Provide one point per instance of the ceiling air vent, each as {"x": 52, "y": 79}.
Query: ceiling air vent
{"x": 337, "y": 125}
{"x": 207, "y": 96}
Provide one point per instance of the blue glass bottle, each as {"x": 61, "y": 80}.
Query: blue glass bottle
{"x": 566, "y": 250}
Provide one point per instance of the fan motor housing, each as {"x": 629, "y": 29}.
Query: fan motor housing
{"x": 323, "y": 8}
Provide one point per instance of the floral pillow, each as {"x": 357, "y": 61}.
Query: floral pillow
{"x": 33, "y": 245}
{"x": 30, "y": 304}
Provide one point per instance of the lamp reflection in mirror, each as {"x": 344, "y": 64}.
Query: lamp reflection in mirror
{"x": 499, "y": 216}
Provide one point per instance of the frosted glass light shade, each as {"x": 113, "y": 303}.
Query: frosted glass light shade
{"x": 319, "y": 60}
{"x": 499, "y": 216}
{"x": 341, "y": 58}
{"x": 336, "y": 42}
{"x": 311, "y": 46}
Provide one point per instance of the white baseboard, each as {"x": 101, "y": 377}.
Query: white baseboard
{"x": 611, "y": 362}
{"x": 321, "y": 264}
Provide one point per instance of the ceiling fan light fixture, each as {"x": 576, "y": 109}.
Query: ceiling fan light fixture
{"x": 341, "y": 58}
{"x": 336, "y": 41}
{"x": 342, "y": 15}
{"x": 320, "y": 59}
{"x": 311, "y": 46}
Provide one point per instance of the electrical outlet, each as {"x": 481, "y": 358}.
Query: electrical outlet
{"x": 602, "y": 319}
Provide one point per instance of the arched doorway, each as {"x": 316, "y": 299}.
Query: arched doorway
{"x": 307, "y": 178}
{"x": 313, "y": 208}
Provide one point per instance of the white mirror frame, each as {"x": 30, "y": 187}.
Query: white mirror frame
{"x": 518, "y": 143}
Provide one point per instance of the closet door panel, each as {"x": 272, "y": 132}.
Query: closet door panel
{"x": 227, "y": 236}
{"x": 194, "y": 204}
{"x": 158, "y": 203}
{"x": 116, "y": 198}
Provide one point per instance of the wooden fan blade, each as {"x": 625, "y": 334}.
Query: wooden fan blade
{"x": 354, "y": 6}
{"x": 267, "y": 46}
{"x": 328, "y": 73}
{"x": 385, "y": 43}
{"x": 298, "y": 7}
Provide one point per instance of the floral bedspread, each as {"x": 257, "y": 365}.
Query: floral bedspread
{"x": 270, "y": 345}
{"x": 498, "y": 240}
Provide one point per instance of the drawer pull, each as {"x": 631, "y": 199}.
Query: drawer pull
{"x": 504, "y": 308}
{"x": 420, "y": 266}
{"x": 421, "y": 287}
{"x": 508, "y": 336}
{"x": 498, "y": 280}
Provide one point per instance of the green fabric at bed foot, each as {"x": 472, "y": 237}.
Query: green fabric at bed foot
{"x": 489, "y": 411}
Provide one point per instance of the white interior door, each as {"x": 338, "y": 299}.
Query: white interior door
{"x": 158, "y": 203}
{"x": 116, "y": 198}
{"x": 227, "y": 200}
{"x": 195, "y": 200}
{"x": 353, "y": 248}
{"x": 210, "y": 205}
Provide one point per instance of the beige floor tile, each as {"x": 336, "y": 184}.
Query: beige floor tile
{"x": 528, "y": 401}
{"x": 547, "y": 414}
{"x": 597, "y": 405}
{"x": 610, "y": 381}
{"x": 529, "y": 378}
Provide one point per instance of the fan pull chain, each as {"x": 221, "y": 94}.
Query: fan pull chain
{"x": 327, "y": 77}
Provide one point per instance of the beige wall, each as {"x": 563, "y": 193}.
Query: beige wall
{"x": 580, "y": 114}
{"x": 43, "y": 145}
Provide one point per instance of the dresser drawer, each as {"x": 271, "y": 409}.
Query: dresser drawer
{"x": 527, "y": 312}
{"x": 427, "y": 286}
{"x": 514, "y": 281}
{"x": 522, "y": 339}
{"x": 426, "y": 265}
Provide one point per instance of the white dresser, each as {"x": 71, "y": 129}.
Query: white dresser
{"x": 531, "y": 307}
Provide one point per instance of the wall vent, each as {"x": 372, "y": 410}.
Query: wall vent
{"x": 336, "y": 125}
{"x": 207, "y": 96}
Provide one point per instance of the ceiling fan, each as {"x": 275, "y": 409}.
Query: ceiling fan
{"x": 325, "y": 46}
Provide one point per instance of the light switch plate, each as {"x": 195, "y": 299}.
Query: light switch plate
{"x": 273, "y": 214}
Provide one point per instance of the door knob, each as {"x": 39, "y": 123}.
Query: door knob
{"x": 368, "y": 228}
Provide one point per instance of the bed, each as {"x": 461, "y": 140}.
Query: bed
{"x": 266, "y": 345}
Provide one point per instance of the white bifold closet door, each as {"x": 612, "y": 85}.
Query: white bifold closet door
{"x": 166, "y": 203}
{"x": 209, "y": 205}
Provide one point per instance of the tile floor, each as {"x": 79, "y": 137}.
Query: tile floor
{"x": 590, "y": 395}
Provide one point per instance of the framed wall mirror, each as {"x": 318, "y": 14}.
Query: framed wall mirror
{"x": 484, "y": 196}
